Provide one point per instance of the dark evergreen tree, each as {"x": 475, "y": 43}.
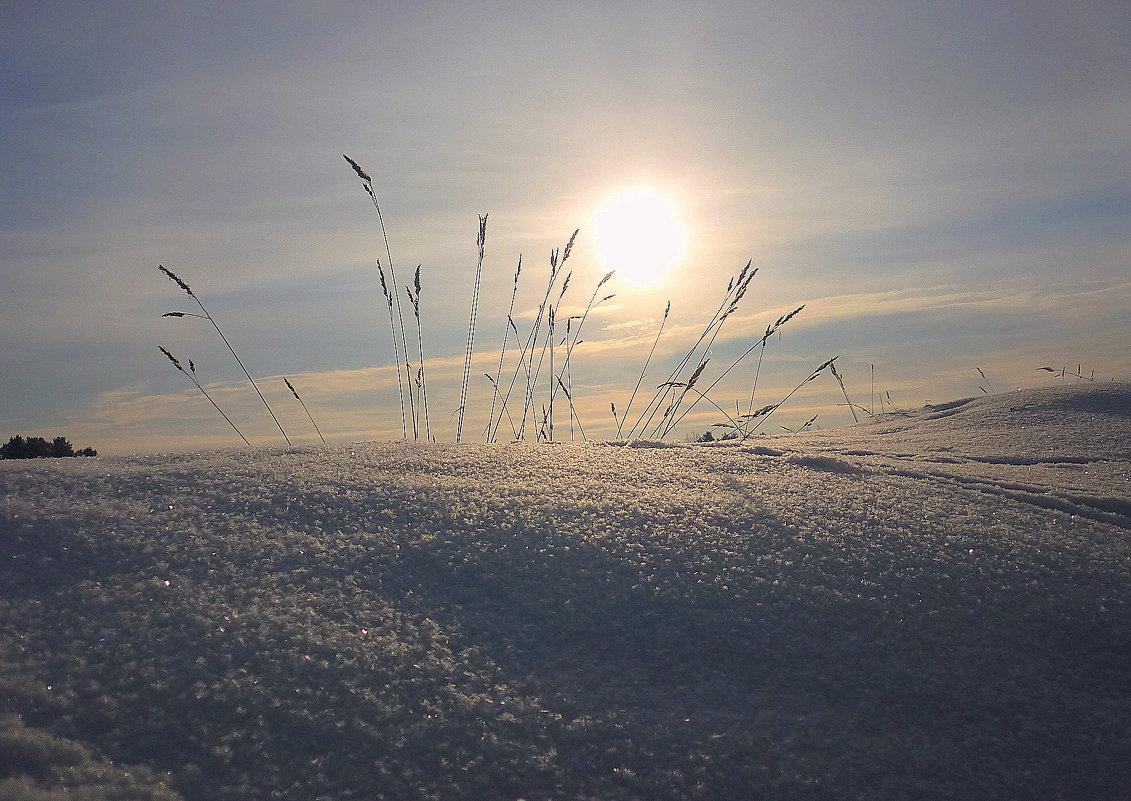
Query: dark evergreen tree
{"x": 60, "y": 447}
{"x": 37, "y": 447}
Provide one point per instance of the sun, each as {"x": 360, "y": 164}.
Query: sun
{"x": 639, "y": 235}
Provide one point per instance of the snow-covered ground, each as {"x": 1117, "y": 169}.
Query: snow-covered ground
{"x": 927, "y": 605}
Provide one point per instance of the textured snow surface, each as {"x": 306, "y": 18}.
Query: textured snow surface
{"x": 927, "y": 605}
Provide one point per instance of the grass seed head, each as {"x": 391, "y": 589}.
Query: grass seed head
{"x": 176, "y": 362}
{"x": 362, "y": 174}
{"x": 569, "y": 245}
{"x": 384, "y": 286}
{"x": 173, "y": 277}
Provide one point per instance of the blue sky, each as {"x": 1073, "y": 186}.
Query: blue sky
{"x": 945, "y": 185}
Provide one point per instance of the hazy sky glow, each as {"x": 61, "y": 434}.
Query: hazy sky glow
{"x": 946, "y": 186}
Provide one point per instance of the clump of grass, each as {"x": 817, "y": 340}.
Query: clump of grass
{"x": 773, "y": 328}
{"x": 205, "y": 315}
{"x": 294, "y": 392}
{"x": 548, "y": 345}
{"x": 1064, "y": 372}
{"x": 191, "y": 374}
{"x": 671, "y": 393}
{"x": 984, "y": 390}
{"x": 525, "y": 363}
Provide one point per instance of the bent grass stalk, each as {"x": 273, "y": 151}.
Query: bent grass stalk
{"x": 172, "y": 277}
{"x": 192, "y": 377}
{"x": 741, "y": 284}
{"x": 640, "y": 380}
{"x": 668, "y": 420}
{"x": 294, "y": 392}
{"x": 770, "y": 331}
{"x": 572, "y": 411}
{"x": 731, "y": 422}
{"x": 399, "y": 346}
{"x": 779, "y": 404}
{"x": 840, "y": 380}
{"x": 987, "y": 380}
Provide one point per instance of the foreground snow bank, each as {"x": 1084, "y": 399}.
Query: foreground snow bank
{"x": 934, "y": 605}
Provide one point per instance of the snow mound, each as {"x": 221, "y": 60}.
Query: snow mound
{"x": 1078, "y": 422}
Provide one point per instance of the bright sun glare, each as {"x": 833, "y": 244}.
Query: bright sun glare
{"x": 639, "y": 236}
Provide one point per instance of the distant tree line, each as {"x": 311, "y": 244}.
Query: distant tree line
{"x": 35, "y": 447}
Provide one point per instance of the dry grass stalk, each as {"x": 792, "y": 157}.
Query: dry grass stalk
{"x": 192, "y": 377}
{"x": 573, "y": 341}
{"x": 548, "y": 343}
{"x": 396, "y": 354}
{"x": 990, "y": 386}
{"x": 400, "y": 340}
{"x": 205, "y": 315}
{"x": 669, "y": 418}
{"x": 557, "y": 263}
{"x": 813, "y": 375}
{"x": 572, "y": 411}
{"x": 643, "y": 371}
{"x": 771, "y": 329}
{"x": 553, "y": 389}
{"x": 294, "y": 392}
{"x": 421, "y": 376}
{"x": 840, "y": 380}
{"x": 802, "y": 427}
{"x": 481, "y": 242}
{"x": 502, "y": 350}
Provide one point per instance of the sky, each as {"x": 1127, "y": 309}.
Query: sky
{"x": 945, "y": 186}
